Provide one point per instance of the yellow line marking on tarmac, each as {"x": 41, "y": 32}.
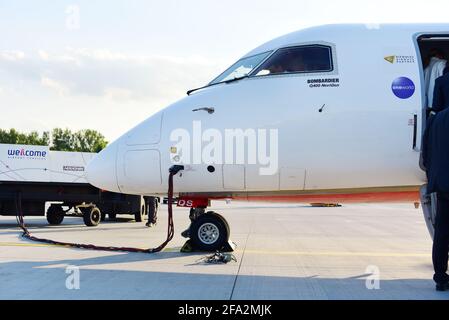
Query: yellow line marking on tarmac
{"x": 339, "y": 254}
{"x": 14, "y": 244}
{"x": 266, "y": 252}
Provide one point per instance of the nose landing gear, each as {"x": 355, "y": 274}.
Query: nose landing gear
{"x": 208, "y": 232}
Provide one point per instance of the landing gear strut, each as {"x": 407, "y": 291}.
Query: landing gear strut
{"x": 208, "y": 231}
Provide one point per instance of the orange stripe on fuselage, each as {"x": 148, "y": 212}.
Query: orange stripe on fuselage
{"x": 368, "y": 197}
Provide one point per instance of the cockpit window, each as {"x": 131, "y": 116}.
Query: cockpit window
{"x": 302, "y": 59}
{"x": 241, "y": 68}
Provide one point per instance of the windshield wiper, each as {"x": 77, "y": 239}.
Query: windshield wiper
{"x": 236, "y": 79}
{"x": 213, "y": 84}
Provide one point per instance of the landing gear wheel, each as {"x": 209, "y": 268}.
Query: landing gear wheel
{"x": 55, "y": 214}
{"x": 209, "y": 232}
{"x": 138, "y": 216}
{"x": 91, "y": 216}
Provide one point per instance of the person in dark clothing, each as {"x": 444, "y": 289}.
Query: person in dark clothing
{"x": 436, "y": 163}
{"x": 441, "y": 92}
{"x": 151, "y": 205}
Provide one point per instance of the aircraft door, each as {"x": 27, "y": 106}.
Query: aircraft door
{"x": 429, "y": 47}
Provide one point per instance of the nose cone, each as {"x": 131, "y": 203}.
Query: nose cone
{"x": 102, "y": 171}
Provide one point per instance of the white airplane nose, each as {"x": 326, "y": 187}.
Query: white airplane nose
{"x": 102, "y": 171}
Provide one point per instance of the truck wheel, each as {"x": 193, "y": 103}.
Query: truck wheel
{"x": 209, "y": 232}
{"x": 91, "y": 216}
{"x": 55, "y": 214}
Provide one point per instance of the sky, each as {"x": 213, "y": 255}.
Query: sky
{"x": 109, "y": 64}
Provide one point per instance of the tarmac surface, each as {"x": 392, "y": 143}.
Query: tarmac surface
{"x": 285, "y": 251}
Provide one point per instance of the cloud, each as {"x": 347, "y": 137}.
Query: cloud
{"x": 12, "y": 55}
{"x": 118, "y": 94}
{"x": 54, "y": 85}
{"x": 108, "y": 74}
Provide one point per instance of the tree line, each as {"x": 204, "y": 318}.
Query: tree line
{"x": 58, "y": 139}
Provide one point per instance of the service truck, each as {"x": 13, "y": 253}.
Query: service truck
{"x": 36, "y": 176}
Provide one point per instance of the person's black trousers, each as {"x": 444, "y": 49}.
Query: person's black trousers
{"x": 441, "y": 239}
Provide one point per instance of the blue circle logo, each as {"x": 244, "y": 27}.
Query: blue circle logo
{"x": 403, "y": 88}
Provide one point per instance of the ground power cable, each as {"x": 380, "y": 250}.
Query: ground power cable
{"x": 170, "y": 229}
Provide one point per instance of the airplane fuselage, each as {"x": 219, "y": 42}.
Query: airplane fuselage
{"x": 349, "y": 133}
